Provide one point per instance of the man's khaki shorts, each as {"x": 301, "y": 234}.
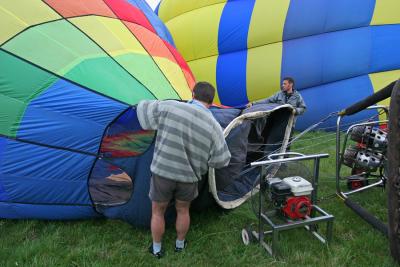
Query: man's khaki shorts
{"x": 163, "y": 190}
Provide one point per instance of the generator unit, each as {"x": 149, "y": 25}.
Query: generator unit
{"x": 284, "y": 200}
{"x": 290, "y": 196}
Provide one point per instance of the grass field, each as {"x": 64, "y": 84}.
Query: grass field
{"x": 214, "y": 235}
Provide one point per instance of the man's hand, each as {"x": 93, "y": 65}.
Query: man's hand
{"x": 249, "y": 105}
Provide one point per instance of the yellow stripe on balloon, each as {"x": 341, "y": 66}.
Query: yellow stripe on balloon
{"x": 386, "y": 12}
{"x": 110, "y": 34}
{"x": 15, "y": 16}
{"x": 380, "y": 79}
{"x": 180, "y": 7}
{"x": 267, "y": 22}
{"x": 264, "y": 56}
{"x": 124, "y": 42}
{"x": 175, "y": 76}
{"x": 205, "y": 70}
{"x": 263, "y": 71}
{"x": 197, "y": 37}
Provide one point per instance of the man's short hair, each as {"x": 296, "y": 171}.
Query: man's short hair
{"x": 289, "y": 79}
{"x": 203, "y": 91}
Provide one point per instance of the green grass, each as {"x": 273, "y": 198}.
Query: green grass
{"x": 214, "y": 235}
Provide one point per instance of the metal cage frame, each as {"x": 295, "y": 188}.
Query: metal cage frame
{"x": 340, "y": 154}
{"x": 317, "y": 215}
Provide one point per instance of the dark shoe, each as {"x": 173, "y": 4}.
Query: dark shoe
{"x": 181, "y": 249}
{"x": 158, "y": 255}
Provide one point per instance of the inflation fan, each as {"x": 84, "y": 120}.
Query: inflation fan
{"x": 285, "y": 198}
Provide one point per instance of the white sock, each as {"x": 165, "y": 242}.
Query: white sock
{"x": 156, "y": 247}
{"x": 180, "y": 243}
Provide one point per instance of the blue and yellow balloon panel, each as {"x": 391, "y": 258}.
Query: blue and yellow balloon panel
{"x": 337, "y": 51}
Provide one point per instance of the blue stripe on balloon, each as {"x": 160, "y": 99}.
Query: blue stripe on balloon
{"x": 233, "y": 29}
{"x": 41, "y": 175}
{"x": 323, "y": 99}
{"x": 231, "y": 78}
{"x": 341, "y": 55}
{"x": 157, "y": 8}
{"x": 310, "y": 17}
{"x": 3, "y": 145}
{"x": 232, "y": 47}
{"x": 154, "y": 20}
{"x": 327, "y": 57}
{"x": 66, "y": 115}
{"x": 48, "y": 212}
{"x": 386, "y": 48}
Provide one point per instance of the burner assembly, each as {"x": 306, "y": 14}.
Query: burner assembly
{"x": 364, "y": 151}
{"x": 367, "y": 157}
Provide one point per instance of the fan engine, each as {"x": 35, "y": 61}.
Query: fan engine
{"x": 290, "y": 196}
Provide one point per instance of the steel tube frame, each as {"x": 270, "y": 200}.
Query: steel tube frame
{"x": 340, "y": 152}
{"x": 309, "y": 223}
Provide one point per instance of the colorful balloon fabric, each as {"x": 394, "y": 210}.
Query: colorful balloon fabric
{"x": 71, "y": 73}
{"x": 338, "y": 52}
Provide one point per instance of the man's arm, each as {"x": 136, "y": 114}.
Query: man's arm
{"x": 301, "y": 106}
{"x": 269, "y": 100}
{"x": 148, "y": 114}
{"x": 219, "y": 155}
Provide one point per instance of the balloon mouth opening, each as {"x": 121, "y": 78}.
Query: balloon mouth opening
{"x": 112, "y": 177}
{"x": 260, "y": 131}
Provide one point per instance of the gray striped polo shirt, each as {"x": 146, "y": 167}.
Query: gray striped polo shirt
{"x": 189, "y": 139}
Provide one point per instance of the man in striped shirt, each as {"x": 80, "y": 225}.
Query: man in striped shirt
{"x": 189, "y": 140}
